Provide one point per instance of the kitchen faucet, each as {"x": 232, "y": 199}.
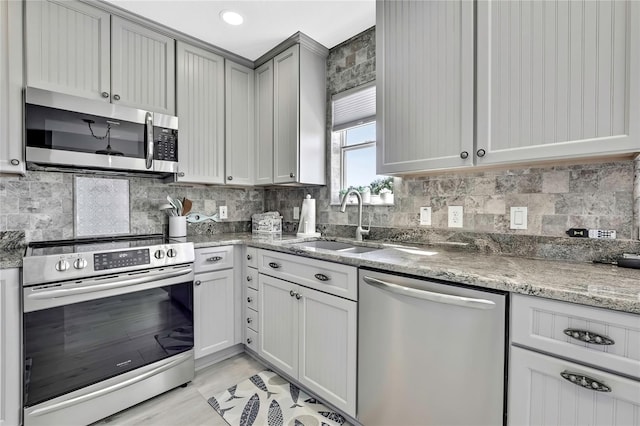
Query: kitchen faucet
{"x": 359, "y": 231}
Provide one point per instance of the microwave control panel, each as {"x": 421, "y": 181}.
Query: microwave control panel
{"x": 165, "y": 144}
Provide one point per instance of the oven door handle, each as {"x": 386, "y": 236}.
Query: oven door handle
{"x": 115, "y": 283}
{"x": 175, "y": 360}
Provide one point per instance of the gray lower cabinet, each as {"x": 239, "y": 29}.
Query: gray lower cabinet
{"x": 11, "y": 122}
{"x": 75, "y": 48}
{"x": 201, "y": 105}
{"x": 10, "y": 344}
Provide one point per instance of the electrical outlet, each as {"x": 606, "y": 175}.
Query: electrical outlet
{"x": 425, "y": 215}
{"x": 296, "y": 212}
{"x": 518, "y": 218}
{"x": 222, "y": 211}
{"x": 455, "y": 216}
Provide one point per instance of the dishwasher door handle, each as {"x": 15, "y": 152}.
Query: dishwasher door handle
{"x": 466, "y": 302}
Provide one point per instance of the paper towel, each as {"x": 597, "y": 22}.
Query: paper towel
{"x": 307, "y": 225}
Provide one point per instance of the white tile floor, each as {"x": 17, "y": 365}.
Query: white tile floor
{"x": 188, "y": 406}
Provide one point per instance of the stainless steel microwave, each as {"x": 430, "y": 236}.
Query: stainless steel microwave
{"x": 64, "y": 131}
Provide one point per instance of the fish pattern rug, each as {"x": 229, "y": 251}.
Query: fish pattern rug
{"x": 268, "y": 399}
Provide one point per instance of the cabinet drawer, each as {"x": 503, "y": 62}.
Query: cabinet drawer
{"x": 213, "y": 259}
{"x": 252, "y": 299}
{"x": 542, "y": 324}
{"x": 252, "y": 319}
{"x": 252, "y": 257}
{"x": 329, "y": 277}
{"x": 251, "y": 340}
{"x": 251, "y": 278}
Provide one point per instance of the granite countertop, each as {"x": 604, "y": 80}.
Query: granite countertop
{"x": 605, "y": 286}
{"x": 11, "y": 258}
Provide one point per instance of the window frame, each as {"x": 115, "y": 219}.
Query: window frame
{"x": 344, "y": 148}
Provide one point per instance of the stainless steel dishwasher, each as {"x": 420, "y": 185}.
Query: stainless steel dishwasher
{"x": 429, "y": 353}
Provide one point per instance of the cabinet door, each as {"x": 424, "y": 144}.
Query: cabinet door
{"x": 239, "y": 112}
{"x": 557, "y": 79}
{"x": 328, "y": 327}
{"x": 11, "y": 150}
{"x": 213, "y": 312}
{"x": 425, "y": 78}
{"x": 539, "y": 395}
{"x": 278, "y": 323}
{"x": 264, "y": 124}
{"x": 142, "y": 67}
{"x": 286, "y": 113}
{"x": 201, "y": 115}
{"x": 10, "y": 344}
{"x": 68, "y": 48}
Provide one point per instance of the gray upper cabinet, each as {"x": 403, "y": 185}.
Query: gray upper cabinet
{"x": 264, "y": 124}
{"x": 557, "y": 79}
{"x": 77, "y": 49}
{"x": 239, "y": 114}
{"x": 424, "y": 52}
{"x": 200, "y": 88}
{"x": 299, "y": 116}
{"x": 11, "y": 80}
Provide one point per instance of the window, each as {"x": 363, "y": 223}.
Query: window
{"x": 354, "y": 140}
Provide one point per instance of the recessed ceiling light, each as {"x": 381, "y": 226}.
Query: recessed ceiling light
{"x": 231, "y": 18}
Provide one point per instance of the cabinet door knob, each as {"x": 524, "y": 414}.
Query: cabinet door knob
{"x": 481, "y": 152}
{"x": 181, "y": 174}
{"x": 274, "y": 265}
{"x": 116, "y": 97}
{"x": 229, "y": 177}
{"x": 249, "y": 299}
{"x": 292, "y": 175}
{"x": 298, "y": 296}
{"x": 249, "y": 257}
{"x": 464, "y": 155}
{"x": 249, "y": 278}
{"x": 249, "y": 320}
{"x": 105, "y": 94}
{"x": 291, "y": 293}
{"x": 15, "y": 162}
{"x": 198, "y": 282}
{"x": 249, "y": 340}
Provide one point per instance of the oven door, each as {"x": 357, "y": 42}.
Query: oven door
{"x": 81, "y": 332}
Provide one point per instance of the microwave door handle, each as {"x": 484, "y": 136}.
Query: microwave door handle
{"x": 148, "y": 138}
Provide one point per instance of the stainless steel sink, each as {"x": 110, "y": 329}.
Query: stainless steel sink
{"x": 338, "y": 246}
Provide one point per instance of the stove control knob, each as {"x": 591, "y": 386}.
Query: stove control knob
{"x": 80, "y": 263}
{"x": 62, "y": 265}
{"x": 159, "y": 254}
{"x": 172, "y": 253}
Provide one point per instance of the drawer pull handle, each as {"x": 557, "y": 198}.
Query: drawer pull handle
{"x": 298, "y": 296}
{"x": 274, "y": 265}
{"x": 249, "y": 299}
{"x": 249, "y": 321}
{"x": 585, "y": 381}
{"x": 322, "y": 277}
{"x": 588, "y": 337}
{"x": 249, "y": 278}
{"x": 214, "y": 259}
{"x": 249, "y": 257}
{"x": 249, "y": 340}
{"x": 291, "y": 293}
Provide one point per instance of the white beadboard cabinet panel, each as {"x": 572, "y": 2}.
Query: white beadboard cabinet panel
{"x": 68, "y": 48}
{"x": 425, "y": 73}
{"x": 213, "y": 312}
{"x": 10, "y": 344}
{"x": 328, "y": 340}
{"x": 278, "y": 323}
{"x": 286, "y": 110}
{"x": 539, "y": 395}
{"x": 264, "y": 124}
{"x": 11, "y": 83}
{"x": 200, "y": 94}
{"x": 142, "y": 67}
{"x": 557, "y": 79}
{"x": 239, "y": 116}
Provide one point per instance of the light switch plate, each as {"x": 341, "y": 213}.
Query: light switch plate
{"x": 518, "y": 218}
{"x": 296, "y": 212}
{"x": 223, "y": 212}
{"x": 425, "y": 216}
{"x": 455, "y": 216}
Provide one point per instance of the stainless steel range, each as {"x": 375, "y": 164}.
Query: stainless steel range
{"x": 108, "y": 323}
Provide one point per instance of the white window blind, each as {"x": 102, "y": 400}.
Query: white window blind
{"x": 354, "y": 107}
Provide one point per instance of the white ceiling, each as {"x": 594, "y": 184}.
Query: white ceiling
{"x": 266, "y": 22}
